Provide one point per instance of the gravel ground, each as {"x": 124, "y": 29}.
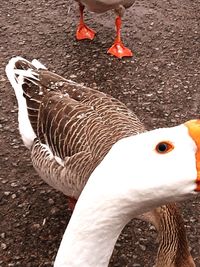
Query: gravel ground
{"x": 160, "y": 83}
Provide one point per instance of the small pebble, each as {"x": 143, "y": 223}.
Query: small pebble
{"x": 3, "y": 235}
{"x": 3, "y": 246}
{"x": 14, "y": 196}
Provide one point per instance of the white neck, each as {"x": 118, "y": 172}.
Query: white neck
{"x": 91, "y": 235}
{"x": 116, "y": 192}
{"x": 95, "y": 226}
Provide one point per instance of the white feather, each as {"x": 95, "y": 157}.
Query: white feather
{"x": 26, "y": 73}
{"x": 16, "y": 78}
{"x": 38, "y": 64}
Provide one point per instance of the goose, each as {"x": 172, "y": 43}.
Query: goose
{"x": 100, "y": 6}
{"x": 91, "y": 147}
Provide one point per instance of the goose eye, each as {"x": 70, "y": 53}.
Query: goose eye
{"x": 164, "y": 147}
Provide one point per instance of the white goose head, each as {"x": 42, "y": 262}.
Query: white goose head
{"x": 168, "y": 153}
{"x": 155, "y": 165}
{"x": 138, "y": 174}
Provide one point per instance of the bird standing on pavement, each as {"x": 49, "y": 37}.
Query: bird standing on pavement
{"x": 100, "y": 6}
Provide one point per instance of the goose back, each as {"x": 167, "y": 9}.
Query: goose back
{"x": 75, "y": 127}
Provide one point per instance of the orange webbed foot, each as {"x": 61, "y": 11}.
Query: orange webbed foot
{"x": 119, "y": 50}
{"x": 84, "y": 32}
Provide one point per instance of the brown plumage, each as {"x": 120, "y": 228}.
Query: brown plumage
{"x": 173, "y": 248}
{"x": 66, "y": 149}
{"x": 77, "y": 123}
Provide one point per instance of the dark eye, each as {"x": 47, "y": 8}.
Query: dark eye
{"x": 164, "y": 147}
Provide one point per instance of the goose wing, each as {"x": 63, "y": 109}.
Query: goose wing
{"x": 75, "y": 126}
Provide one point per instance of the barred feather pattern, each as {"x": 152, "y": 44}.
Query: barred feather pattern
{"x": 75, "y": 126}
{"x": 173, "y": 248}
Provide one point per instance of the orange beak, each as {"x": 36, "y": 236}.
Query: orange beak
{"x": 194, "y": 131}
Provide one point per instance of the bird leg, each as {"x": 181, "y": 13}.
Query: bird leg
{"x": 118, "y": 49}
{"x": 83, "y": 31}
{"x": 71, "y": 203}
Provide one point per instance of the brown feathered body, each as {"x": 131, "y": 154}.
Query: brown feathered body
{"x": 74, "y": 128}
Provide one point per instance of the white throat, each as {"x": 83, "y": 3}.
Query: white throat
{"x": 91, "y": 235}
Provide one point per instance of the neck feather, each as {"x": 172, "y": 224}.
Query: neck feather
{"x": 92, "y": 232}
{"x": 97, "y": 221}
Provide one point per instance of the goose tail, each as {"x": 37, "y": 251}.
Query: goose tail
{"x": 24, "y": 78}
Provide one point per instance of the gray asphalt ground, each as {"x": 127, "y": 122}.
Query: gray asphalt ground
{"x": 161, "y": 83}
